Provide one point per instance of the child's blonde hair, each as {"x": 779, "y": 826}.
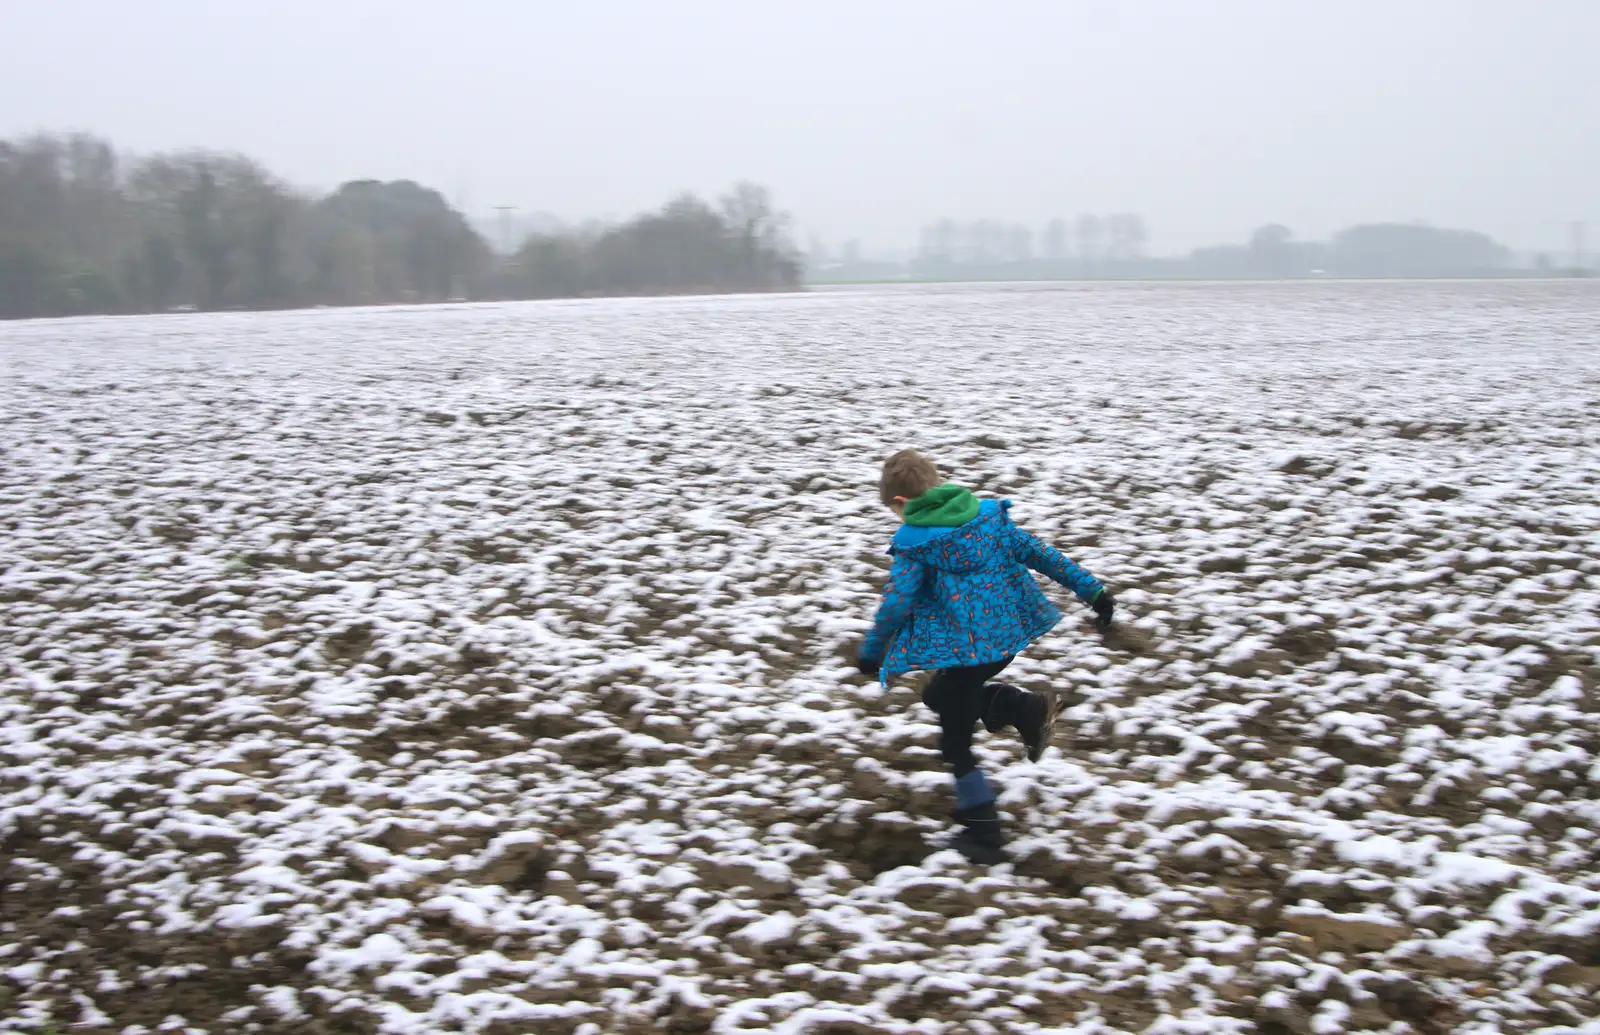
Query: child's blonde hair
{"x": 907, "y": 474}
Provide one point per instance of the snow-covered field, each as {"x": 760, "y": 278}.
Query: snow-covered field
{"x": 487, "y": 669}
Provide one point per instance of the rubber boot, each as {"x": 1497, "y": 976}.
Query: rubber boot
{"x": 980, "y": 839}
{"x": 1033, "y": 714}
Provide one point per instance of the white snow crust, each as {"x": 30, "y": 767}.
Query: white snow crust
{"x": 488, "y": 668}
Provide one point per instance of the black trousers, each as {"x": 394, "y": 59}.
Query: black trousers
{"x": 962, "y": 696}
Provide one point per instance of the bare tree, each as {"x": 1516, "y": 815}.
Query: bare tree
{"x": 1019, "y": 244}
{"x": 1128, "y": 236}
{"x": 1090, "y": 233}
{"x": 1055, "y": 239}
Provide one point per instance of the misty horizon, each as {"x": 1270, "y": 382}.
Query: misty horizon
{"x": 866, "y": 123}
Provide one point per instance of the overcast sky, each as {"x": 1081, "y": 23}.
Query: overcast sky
{"x": 866, "y": 118}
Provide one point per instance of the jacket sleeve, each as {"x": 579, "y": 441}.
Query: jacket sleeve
{"x": 1053, "y": 564}
{"x": 905, "y": 581}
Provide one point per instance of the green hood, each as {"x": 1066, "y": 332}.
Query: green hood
{"x": 945, "y": 507}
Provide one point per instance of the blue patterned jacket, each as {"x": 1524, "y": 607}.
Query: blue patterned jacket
{"x": 965, "y": 595}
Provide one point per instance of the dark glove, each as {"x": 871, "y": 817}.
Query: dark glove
{"x": 868, "y": 667}
{"x": 1103, "y": 605}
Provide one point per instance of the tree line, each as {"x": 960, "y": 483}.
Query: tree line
{"x": 1119, "y": 237}
{"x": 85, "y": 229}
{"x": 1116, "y": 246}
{"x": 689, "y": 246}
{"x": 1367, "y": 250}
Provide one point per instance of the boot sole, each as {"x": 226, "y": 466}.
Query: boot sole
{"x": 1047, "y": 726}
